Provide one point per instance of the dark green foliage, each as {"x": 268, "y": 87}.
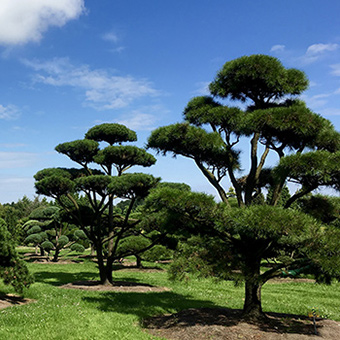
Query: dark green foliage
{"x": 80, "y": 151}
{"x": 87, "y": 196}
{"x": 55, "y": 186}
{"x": 283, "y": 199}
{"x": 63, "y": 240}
{"x": 273, "y": 122}
{"x": 230, "y": 237}
{"x": 173, "y": 185}
{"x": 192, "y": 142}
{"x": 95, "y": 183}
{"x": 291, "y": 124}
{"x": 111, "y": 133}
{"x": 13, "y": 271}
{"x": 124, "y": 156}
{"x": 323, "y": 208}
{"x": 258, "y": 77}
{"x": 205, "y": 110}
{"x": 15, "y": 215}
{"x": 133, "y": 244}
{"x": 201, "y": 257}
{"x": 158, "y": 253}
{"x": 79, "y": 234}
{"x": 36, "y": 238}
{"x": 48, "y": 230}
{"x": 34, "y": 230}
{"x": 60, "y": 172}
{"x": 78, "y": 248}
{"x": 47, "y": 245}
{"x": 132, "y": 185}
{"x": 311, "y": 169}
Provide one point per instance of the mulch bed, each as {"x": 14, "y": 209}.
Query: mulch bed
{"x": 118, "y": 286}
{"x": 227, "y": 324}
{"x": 10, "y": 300}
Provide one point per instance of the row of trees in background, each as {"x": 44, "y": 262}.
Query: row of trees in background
{"x": 257, "y": 221}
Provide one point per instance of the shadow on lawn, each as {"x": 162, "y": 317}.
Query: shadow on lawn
{"x": 145, "y": 304}
{"x": 156, "y": 311}
{"x": 61, "y": 278}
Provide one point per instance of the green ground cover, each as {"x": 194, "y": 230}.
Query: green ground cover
{"x": 75, "y": 314}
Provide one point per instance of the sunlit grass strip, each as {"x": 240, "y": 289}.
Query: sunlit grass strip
{"x": 75, "y": 314}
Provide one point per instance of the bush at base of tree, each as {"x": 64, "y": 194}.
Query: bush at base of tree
{"x": 13, "y": 270}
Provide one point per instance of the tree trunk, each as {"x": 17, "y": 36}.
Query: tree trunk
{"x": 109, "y": 270}
{"x": 93, "y": 251}
{"x": 101, "y": 265}
{"x": 42, "y": 251}
{"x": 56, "y": 255}
{"x": 138, "y": 261}
{"x": 252, "y": 308}
{"x": 111, "y": 233}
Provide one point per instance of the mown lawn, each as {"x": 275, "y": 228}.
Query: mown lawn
{"x": 74, "y": 314}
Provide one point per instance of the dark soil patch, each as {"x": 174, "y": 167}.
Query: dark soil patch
{"x": 118, "y": 286}
{"x": 10, "y": 300}
{"x": 227, "y": 324}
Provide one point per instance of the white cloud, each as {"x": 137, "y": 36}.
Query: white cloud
{"x": 278, "y": 48}
{"x": 330, "y": 111}
{"x": 315, "y": 52}
{"x": 111, "y": 36}
{"x": 16, "y": 160}
{"x": 119, "y": 49}
{"x": 316, "y": 101}
{"x": 14, "y": 188}
{"x": 9, "y": 112}
{"x": 321, "y": 48}
{"x": 12, "y": 145}
{"x": 319, "y": 100}
{"x": 335, "y": 69}
{"x": 139, "y": 121}
{"x": 202, "y": 89}
{"x": 23, "y": 21}
{"x": 102, "y": 90}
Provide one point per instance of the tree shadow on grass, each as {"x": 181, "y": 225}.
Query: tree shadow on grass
{"x": 145, "y": 304}
{"x": 61, "y": 278}
{"x": 157, "y": 311}
{"x": 118, "y": 266}
{"x": 206, "y": 323}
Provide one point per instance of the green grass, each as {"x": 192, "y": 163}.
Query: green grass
{"x": 74, "y": 314}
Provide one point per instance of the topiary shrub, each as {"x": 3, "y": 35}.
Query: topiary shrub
{"x": 13, "y": 271}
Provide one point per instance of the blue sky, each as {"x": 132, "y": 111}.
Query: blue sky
{"x": 68, "y": 65}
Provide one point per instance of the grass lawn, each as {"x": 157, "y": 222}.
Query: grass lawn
{"x": 77, "y": 314}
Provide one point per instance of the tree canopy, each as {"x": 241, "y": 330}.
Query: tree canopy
{"x": 88, "y": 194}
{"x": 274, "y": 121}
